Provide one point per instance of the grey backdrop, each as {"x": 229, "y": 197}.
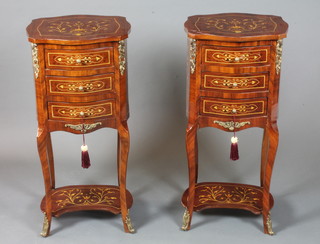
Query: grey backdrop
{"x": 157, "y": 173}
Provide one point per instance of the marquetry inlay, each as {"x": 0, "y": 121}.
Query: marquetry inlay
{"x": 234, "y": 83}
{"x": 236, "y": 24}
{"x": 80, "y": 112}
{"x": 236, "y": 57}
{"x": 79, "y": 27}
{"x": 85, "y": 197}
{"x": 79, "y": 87}
{"x": 233, "y": 109}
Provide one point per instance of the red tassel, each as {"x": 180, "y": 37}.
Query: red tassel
{"x": 85, "y": 159}
{"x": 234, "y": 153}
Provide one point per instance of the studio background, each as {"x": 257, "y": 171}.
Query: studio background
{"x": 157, "y": 170}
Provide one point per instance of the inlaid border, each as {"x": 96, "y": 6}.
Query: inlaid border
{"x": 78, "y": 53}
{"x": 89, "y": 106}
{"x": 240, "y": 51}
{"x": 230, "y": 103}
{"x": 81, "y": 81}
{"x": 232, "y": 77}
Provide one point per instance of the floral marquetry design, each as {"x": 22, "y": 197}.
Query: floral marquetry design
{"x": 221, "y": 194}
{"x": 242, "y": 108}
{"x": 79, "y": 27}
{"x": 58, "y": 59}
{"x": 82, "y": 198}
{"x": 235, "y": 24}
{"x": 234, "y": 83}
{"x": 236, "y": 57}
{"x": 227, "y": 195}
{"x": 78, "y": 59}
{"x": 239, "y": 24}
{"x": 233, "y": 109}
{"x": 236, "y": 27}
{"x": 76, "y": 86}
{"x": 86, "y": 197}
{"x": 81, "y": 112}
{"x": 81, "y": 86}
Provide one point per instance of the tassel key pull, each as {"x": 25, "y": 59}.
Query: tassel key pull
{"x": 85, "y": 159}
{"x": 234, "y": 153}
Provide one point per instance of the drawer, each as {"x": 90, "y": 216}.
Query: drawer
{"x": 234, "y": 83}
{"x": 79, "y": 86}
{"x": 79, "y": 111}
{"x": 79, "y": 59}
{"x": 236, "y": 56}
{"x": 224, "y": 107}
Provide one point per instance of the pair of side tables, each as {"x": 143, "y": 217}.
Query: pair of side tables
{"x": 80, "y": 72}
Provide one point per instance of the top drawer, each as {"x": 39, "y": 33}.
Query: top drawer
{"x": 79, "y": 59}
{"x": 235, "y": 56}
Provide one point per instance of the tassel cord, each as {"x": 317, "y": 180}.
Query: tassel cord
{"x": 234, "y": 153}
{"x": 85, "y": 159}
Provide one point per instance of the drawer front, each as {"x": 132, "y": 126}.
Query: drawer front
{"x": 234, "y": 82}
{"x": 75, "y": 59}
{"x": 79, "y": 86}
{"x": 237, "y": 56}
{"x": 80, "y": 112}
{"x": 220, "y": 107}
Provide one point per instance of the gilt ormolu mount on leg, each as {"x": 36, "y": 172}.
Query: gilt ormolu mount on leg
{"x": 234, "y": 72}
{"x": 80, "y": 72}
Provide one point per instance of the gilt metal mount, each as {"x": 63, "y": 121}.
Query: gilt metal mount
{"x": 185, "y": 220}
{"x": 192, "y": 55}
{"x": 231, "y": 125}
{"x": 35, "y": 61}
{"x": 279, "y": 56}
{"x": 122, "y": 56}
{"x": 83, "y": 127}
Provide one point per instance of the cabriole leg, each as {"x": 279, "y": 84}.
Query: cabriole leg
{"x": 273, "y": 138}
{"x": 43, "y": 138}
{"x": 192, "y": 154}
{"x": 123, "y": 152}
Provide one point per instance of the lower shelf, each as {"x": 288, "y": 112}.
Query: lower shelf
{"x": 227, "y": 195}
{"x": 86, "y": 197}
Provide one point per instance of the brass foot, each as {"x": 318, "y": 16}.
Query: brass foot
{"x": 269, "y": 226}
{"x": 185, "y": 220}
{"x": 45, "y": 227}
{"x": 129, "y": 224}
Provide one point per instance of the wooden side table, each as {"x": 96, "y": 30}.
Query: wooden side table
{"x": 234, "y": 71}
{"x": 80, "y": 74}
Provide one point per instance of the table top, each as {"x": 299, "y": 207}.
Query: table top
{"x": 78, "y": 29}
{"x": 236, "y": 27}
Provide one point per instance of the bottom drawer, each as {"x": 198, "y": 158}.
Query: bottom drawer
{"x": 224, "y": 107}
{"x": 80, "y": 111}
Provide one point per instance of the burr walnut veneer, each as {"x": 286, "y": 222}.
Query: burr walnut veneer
{"x": 234, "y": 71}
{"x": 81, "y": 86}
